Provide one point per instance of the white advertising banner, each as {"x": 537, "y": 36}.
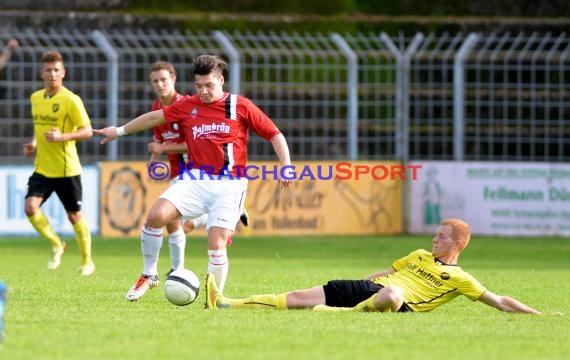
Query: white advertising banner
{"x": 13, "y": 220}
{"x": 523, "y": 199}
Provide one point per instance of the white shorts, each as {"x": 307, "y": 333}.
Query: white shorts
{"x": 223, "y": 200}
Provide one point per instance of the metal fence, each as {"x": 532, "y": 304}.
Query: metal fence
{"x": 490, "y": 97}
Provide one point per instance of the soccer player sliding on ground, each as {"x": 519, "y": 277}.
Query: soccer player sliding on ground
{"x": 418, "y": 282}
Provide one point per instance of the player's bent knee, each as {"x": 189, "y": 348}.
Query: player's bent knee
{"x": 74, "y": 216}
{"x": 159, "y": 217}
{"x": 31, "y": 207}
{"x": 30, "y": 211}
{"x": 390, "y": 298}
{"x": 161, "y": 213}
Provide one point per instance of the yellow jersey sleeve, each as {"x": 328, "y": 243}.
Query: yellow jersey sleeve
{"x": 470, "y": 287}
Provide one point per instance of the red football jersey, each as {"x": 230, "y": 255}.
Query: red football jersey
{"x": 216, "y": 133}
{"x": 170, "y": 133}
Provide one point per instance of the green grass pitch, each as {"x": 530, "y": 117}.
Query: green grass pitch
{"x": 61, "y": 315}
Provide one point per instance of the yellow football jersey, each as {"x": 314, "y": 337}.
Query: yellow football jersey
{"x": 428, "y": 283}
{"x": 66, "y": 112}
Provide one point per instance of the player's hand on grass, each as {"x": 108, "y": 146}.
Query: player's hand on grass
{"x": 552, "y": 313}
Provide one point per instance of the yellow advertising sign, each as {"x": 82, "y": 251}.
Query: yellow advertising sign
{"x": 127, "y": 193}
{"x": 327, "y": 198}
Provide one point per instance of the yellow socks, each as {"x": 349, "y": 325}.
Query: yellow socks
{"x": 82, "y": 235}
{"x": 266, "y": 301}
{"x": 83, "y": 238}
{"x": 41, "y": 223}
{"x": 367, "y": 305}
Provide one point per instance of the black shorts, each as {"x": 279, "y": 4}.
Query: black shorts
{"x": 68, "y": 190}
{"x": 349, "y": 293}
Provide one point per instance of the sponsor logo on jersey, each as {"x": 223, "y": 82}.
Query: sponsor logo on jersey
{"x": 170, "y": 135}
{"x": 194, "y": 113}
{"x": 208, "y": 129}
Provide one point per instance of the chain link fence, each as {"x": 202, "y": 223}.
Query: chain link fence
{"x": 484, "y": 97}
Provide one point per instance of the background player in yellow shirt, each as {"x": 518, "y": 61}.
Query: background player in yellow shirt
{"x": 60, "y": 119}
{"x": 420, "y": 281}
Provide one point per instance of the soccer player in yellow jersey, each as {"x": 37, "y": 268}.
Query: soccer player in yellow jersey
{"x": 60, "y": 119}
{"x": 420, "y": 281}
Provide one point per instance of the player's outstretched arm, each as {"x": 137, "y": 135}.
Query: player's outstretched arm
{"x": 143, "y": 122}
{"x": 505, "y": 303}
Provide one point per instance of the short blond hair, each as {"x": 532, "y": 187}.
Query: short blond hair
{"x": 460, "y": 231}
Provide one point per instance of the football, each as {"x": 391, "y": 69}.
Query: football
{"x": 182, "y": 287}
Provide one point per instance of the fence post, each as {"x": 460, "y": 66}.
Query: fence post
{"x": 399, "y": 91}
{"x": 352, "y": 91}
{"x": 112, "y": 86}
{"x": 459, "y": 96}
{"x": 402, "y": 93}
{"x": 233, "y": 54}
{"x": 561, "y": 83}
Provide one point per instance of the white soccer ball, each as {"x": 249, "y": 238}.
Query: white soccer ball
{"x": 182, "y": 287}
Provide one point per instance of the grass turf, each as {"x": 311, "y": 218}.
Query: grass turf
{"x": 61, "y": 315}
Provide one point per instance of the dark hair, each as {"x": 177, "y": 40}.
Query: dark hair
{"x": 163, "y": 65}
{"x": 51, "y": 56}
{"x": 207, "y": 64}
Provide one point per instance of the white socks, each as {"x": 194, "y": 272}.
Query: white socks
{"x": 218, "y": 265}
{"x": 176, "y": 245}
{"x": 151, "y": 241}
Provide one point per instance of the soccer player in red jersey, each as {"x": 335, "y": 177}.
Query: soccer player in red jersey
{"x": 215, "y": 125}
{"x": 168, "y": 139}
